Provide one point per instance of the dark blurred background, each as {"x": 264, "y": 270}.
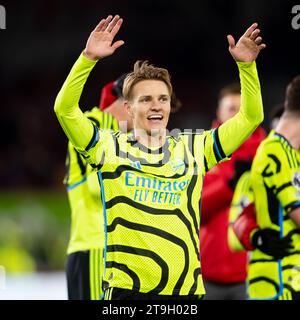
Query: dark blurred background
{"x": 43, "y": 39}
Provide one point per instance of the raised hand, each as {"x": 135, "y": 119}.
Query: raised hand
{"x": 100, "y": 43}
{"x": 248, "y": 46}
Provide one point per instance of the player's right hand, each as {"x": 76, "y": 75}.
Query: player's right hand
{"x": 100, "y": 43}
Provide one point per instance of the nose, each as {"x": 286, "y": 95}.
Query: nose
{"x": 155, "y": 105}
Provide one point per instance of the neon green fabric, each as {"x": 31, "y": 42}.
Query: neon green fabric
{"x": 242, "y": 196}
{"x": 84, "y": 194}
{"x": 275, "y": 177}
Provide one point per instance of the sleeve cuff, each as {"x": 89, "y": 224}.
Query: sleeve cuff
{"x": 217, "y": 147}
{"x": 84, "y": 60}
{"x": 246, "y": 65}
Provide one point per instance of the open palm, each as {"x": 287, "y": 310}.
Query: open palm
{"x": 100, "y": 43}
{"x": 248, "y": 46}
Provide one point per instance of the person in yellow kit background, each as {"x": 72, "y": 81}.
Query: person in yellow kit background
{"x": 84, "y": 268}
{"x": 269, "y": 227}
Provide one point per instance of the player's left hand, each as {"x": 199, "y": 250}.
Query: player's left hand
{"x": 248, "y": 46}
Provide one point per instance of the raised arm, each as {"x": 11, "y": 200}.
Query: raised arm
{"x": 236, "y": 130}
{"x": 77, "y": 127}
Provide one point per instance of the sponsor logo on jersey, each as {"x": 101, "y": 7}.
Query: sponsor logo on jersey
{"x": 177, "y": 165}
{"x": 136, "y": 164}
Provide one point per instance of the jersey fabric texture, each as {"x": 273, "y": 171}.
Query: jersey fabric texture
{"x": 151, "y": 196}
{"x": 275, "y": 179}
{"x": 152, "y": 210}
{"x": 83, "y": 193}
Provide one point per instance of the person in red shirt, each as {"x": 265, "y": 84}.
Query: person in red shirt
{"x": 224, "y": 271}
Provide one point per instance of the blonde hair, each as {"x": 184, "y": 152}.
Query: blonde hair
{"x": 142, "y": 70}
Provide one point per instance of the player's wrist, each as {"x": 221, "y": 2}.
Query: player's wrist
{"x": 89, "y": 55}
{"x": 245, "y": 65}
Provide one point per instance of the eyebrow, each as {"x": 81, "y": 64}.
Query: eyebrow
{"x": 150, "y": 96}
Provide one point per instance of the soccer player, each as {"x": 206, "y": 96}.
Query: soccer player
{"x": 85, "y": 249}
{"x": 274, "y": 232}
{"x": 242, "y": 216}
{"x": 150, "y": 181}
{"x": 224, "y": 271}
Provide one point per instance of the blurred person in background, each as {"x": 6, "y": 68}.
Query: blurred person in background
{"x": 14, "y": 256}
{"x": 242, "y": 220}
{"x": 269, "y": 227}
{"x": 243, "y": 231}
{"x": 224, "y": 271}
{"x": 85, "y": 249}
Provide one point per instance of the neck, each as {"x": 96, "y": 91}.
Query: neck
{"x": 151, "y": 140}
{"x": 289, "y": 127}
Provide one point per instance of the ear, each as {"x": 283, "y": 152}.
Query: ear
{"x": 129, "y": 108}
